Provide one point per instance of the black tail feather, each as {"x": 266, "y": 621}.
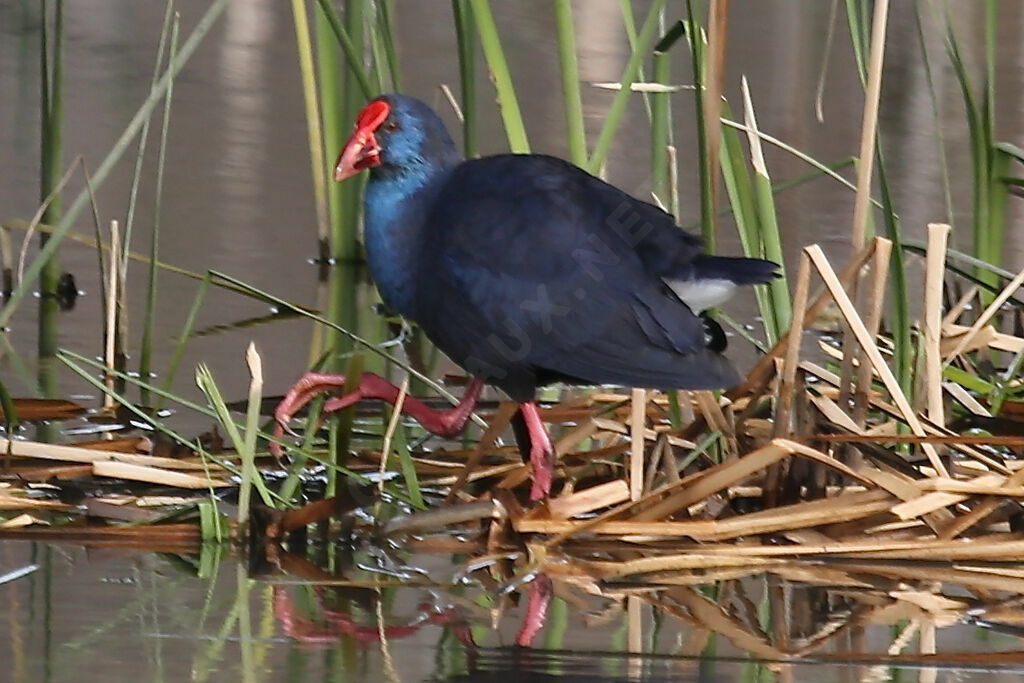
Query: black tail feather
{"x": 737, "y": 269}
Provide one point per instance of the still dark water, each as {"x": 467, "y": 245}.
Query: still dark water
{"x": 101, "y": 615}
{"x": 238, "y": 200}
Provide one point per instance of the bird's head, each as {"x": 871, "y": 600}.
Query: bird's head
{"x": 395, "y": 133}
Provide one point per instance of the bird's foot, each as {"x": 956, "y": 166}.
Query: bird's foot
{"x": 308, "y": 387}
{"x": 371, "y": 386}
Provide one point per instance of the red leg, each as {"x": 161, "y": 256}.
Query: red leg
{"x": 441, "y": 422}
{"x": 542, "y": 452}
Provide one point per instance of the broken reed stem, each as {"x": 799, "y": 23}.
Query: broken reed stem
{"x": 638, "y": 413}
{"x": 784, "y": 406}
{"x": 499, "y": 421}
{"x": 869, "y": 125}
{"x": 763, "y": 370}
{"x": 858, "y": 329}
{"x": 111, "y": 322}
{"x": 862, "y": 201}
{"x": 986, "y": 316}
{"x": 717, "y": 33}
{"x": 389, "y": 434}
{"x": 635, "y": 628}
{"x": 875, "y": 304}
{"x": 938, "y": 236}
{"x": 957, "y": 310}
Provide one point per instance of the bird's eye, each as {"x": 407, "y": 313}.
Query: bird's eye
{"x": 391, "y": 125}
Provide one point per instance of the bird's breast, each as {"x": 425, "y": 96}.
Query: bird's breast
{"x": 391, "y": 253}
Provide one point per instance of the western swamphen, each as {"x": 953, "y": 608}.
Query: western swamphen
{"x": 526, "y": 270}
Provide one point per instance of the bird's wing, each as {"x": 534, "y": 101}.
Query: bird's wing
{"x": 530, "y": 268}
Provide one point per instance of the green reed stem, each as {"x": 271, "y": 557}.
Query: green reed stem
{"x": 314, "y": 129}
{"x": 629, "y": 23}
{"x": 575, "y": 129}
{"x": 51, "y": 160}
{"x": 465, "y": 38}
{"x": 495, "y": 56}
{"x": 353, "y": 51}
{"x": 333, "y": 110}
{"x": 629, "y": 76}
{"x": 115, "y": 154}
{"x": 661, "y": 113}
{"x": 390, "y": 51}
{"x": 698, "y": 45}
{"x": 149, "y": 315}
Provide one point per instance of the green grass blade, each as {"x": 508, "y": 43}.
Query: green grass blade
{"x": 186, "y": 333}
{"x": 780, "y": 313}
{"x": 899, "y": 302}
{"x": 629, "y": 24}
{"x": 400, "y": 443}
{"x": 206, "y": 384}
{"x": 269, "y": 298}
{"x": 858, "y": 22}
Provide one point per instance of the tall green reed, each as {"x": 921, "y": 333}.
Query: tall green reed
{"x": 991, "y": 161}
{"x": 102, "y": 171}
{"x": 51, "y": 54}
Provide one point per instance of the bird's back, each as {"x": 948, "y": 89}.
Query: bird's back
{"x": 533, "y": 271}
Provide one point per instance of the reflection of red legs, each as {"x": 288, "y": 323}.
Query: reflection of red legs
{"x": 312, "y": 384}
{"x": 336, "y": 624}
{"x": 536, "y": 610}
{"x": 542, "y": 452}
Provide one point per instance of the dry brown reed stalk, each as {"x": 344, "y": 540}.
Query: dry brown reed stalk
{"x": 874, "y": 304}
{"x": 985, "y": 317}
{"x": 867, "y": 343}
{"x": 717, "y": 34}
{"x": 938, "y": 236}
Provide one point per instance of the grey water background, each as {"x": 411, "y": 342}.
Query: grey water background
{"x": 238, "y": 199}
{"x": 238, "y": 193}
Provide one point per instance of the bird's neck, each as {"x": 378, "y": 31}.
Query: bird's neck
{"x": 397, "y": 206}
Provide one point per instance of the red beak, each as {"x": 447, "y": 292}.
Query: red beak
{"x": 362, "y": 150}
